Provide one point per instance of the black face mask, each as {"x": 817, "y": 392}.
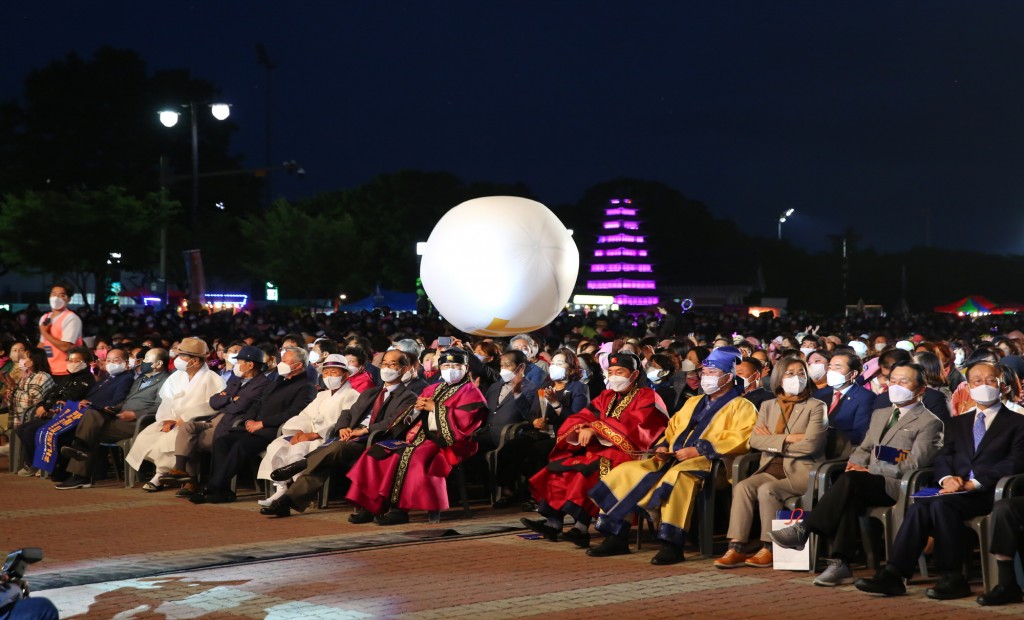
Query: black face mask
{"x": 146, "y": 367}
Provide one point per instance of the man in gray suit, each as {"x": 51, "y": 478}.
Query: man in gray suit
{"x": 117, "y": 423}
{"x": 899, "y": 440}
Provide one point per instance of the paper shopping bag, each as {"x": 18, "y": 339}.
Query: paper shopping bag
{"x": 790, "y": 559}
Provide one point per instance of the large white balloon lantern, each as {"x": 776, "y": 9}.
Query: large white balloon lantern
{"x": 499, "y": 266}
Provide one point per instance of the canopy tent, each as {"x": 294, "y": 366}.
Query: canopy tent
{"x": 395, "y": 300}
{"x": 972, "y": 304}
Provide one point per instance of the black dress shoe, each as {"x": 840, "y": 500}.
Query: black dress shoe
{"x": 280, "y": 507}
{"x": 668, "y": 554}
{"x": 393, "y": 517}
{"x": 1002, "y": 595}
{"x": 288, "y": 471}
{"x": 72, "y": 452}
{"x": 950, "y": 586}
{"x": 198, "y": 497}
{"x": 218, "y": 496}
{"x": 885, "y": 582}
{"x": 611, "y": 545}
{"x": 363, "y": 516}
{"x": 541, "y": 527}
{"x": 504, "y": 502}
{"x": 577, "y": 537}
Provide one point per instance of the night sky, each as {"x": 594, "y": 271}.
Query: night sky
{"x": 863, "y": 114}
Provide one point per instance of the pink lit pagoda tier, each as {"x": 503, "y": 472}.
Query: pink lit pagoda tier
{"x": 620, "y": 267}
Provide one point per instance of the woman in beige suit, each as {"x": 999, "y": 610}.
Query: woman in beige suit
{"x": 790, "y": 433}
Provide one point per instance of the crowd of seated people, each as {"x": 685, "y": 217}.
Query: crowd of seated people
{"x": 597, "y": 419}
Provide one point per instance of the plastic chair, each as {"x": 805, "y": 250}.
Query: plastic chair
{"x": 130, "y": 474}
{"x": 1008, "y": 486}
{"x": 891, "y": 517}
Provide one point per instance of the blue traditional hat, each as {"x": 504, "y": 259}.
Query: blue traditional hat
{"x": 724, "y": 359}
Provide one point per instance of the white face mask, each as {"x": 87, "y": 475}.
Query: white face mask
{"x": 21, "y": 364}
{"x": 816, "y": 371}
{"x": 984, "y": 395}
{"x": 407, "y": 377}
{"x": 806, "y": 352}
{"x": 880, "y": 346}
{"x": 794, "y": 385}
{"x": 748, "y": 381}
{"x": 283, "y": 369}
{"x": 899, "y": 395}
{"x": 452, "y": 376}
{"x": 180, "y": 363}
{"x": 389, "y": 375}
{"x": 132, "y": 362}
{"x": 74, "y": 367}
{"x": 333, "y": 383}
{"x": 618, "y": 383}
{"x": 115, "y": 368}
{"x": 654, "y": 375}
{"x": 958, "y": 358}
{"x": 237, "y": 371}
{"x": 687, "y": 366}
{"x": 507, "y": 375}
{"x": 557, "y": 373}
{"x": 710, "y": 385}
{"x": 354, "y": 370}
{"x": 231, "y": 358}
{"x": 57, "y": 303}
{"x": 835, "y": 379}
{"x": 314, "y": 357}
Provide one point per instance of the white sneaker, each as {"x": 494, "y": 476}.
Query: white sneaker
{"x": 838, "y": 573}
{"x": 27, "y": 471}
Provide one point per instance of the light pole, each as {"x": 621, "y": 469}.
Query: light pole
{"x": 169, "y": 118}
{"x": 782, "y": 220}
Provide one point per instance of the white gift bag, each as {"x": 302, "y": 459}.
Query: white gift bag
{"x": 790, "y": 559}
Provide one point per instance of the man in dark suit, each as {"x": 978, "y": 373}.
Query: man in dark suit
{"x": 933, "y": 399}
{"x": 979, "y": 449}
{"x": 750, "y": 371}
{"x": 508, "y": 400}
{"x": 1007, "y": 527}
{"x": 282, "y": 400}
{"x": 849, "y": 404}
{"x": 374, "y": 410}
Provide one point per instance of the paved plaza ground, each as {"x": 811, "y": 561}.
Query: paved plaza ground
{"x": 121, "y": 553}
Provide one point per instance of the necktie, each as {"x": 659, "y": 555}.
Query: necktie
{"x": 979, "y": 428}
{"x": 892, "y": 421}
{"x": 378, "y": 404}
{"x": 835, "y": 401}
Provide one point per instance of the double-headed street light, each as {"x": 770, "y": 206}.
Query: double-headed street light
{"x": 782, "y": 220}
{"x": 169, "y": 118}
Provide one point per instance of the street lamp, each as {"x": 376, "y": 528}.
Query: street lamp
{"x": 169, "y": 118}
{"x": 782, "y": 220}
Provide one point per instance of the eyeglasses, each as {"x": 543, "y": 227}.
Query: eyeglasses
{"x": 794, "y": 373}
{"x": 393, "y": 365}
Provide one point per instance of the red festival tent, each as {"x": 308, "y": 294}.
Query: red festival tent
{"x": 969, "y": 305}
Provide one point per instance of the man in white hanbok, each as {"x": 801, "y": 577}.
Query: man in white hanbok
{"x": 183, "y": 396}
{"x": 306, "y": 431}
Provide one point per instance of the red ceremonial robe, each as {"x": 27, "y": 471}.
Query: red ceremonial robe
{"x": 629, "y": 422}
{"x": 410, "y": 474}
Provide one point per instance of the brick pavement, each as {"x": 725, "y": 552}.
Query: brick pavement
{"x": 108, "y": 537}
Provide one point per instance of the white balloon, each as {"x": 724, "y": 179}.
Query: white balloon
{"x": 499, "y": 266}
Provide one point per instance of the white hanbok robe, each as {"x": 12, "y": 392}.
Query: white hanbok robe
{"x": 180, "y": 399}
{"x": 318, "y": 417}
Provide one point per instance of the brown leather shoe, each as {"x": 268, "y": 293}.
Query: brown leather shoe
{"x": 761, "y": 559}
{"x": 731, "y": 559}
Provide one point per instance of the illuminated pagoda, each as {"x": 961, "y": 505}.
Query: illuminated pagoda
{"x": 620, "y": 267}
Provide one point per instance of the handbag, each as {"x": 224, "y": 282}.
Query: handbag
{"x": 790, "y": 559}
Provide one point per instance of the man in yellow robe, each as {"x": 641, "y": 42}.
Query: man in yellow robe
{"x": 708, "y": 427}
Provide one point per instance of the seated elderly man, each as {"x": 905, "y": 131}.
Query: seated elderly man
{"x": 284, "y": 398}
{"x": 244, "y": 389}
{"x": 306, "y": 432}
{"x": 185, "y": 395}
{"x": 375, "y": 410}
{"x": 114, "y": 423}
{"x": 621, "y": 422}
{"x": 711, "y": 426}
{"x": 407, "y": 470}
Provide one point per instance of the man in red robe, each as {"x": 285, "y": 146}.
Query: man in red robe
{"x": 623, "y": 421}
{"x": 406, "y": 470}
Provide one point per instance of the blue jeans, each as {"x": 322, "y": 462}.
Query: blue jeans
{"x": 32, "y": 609}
